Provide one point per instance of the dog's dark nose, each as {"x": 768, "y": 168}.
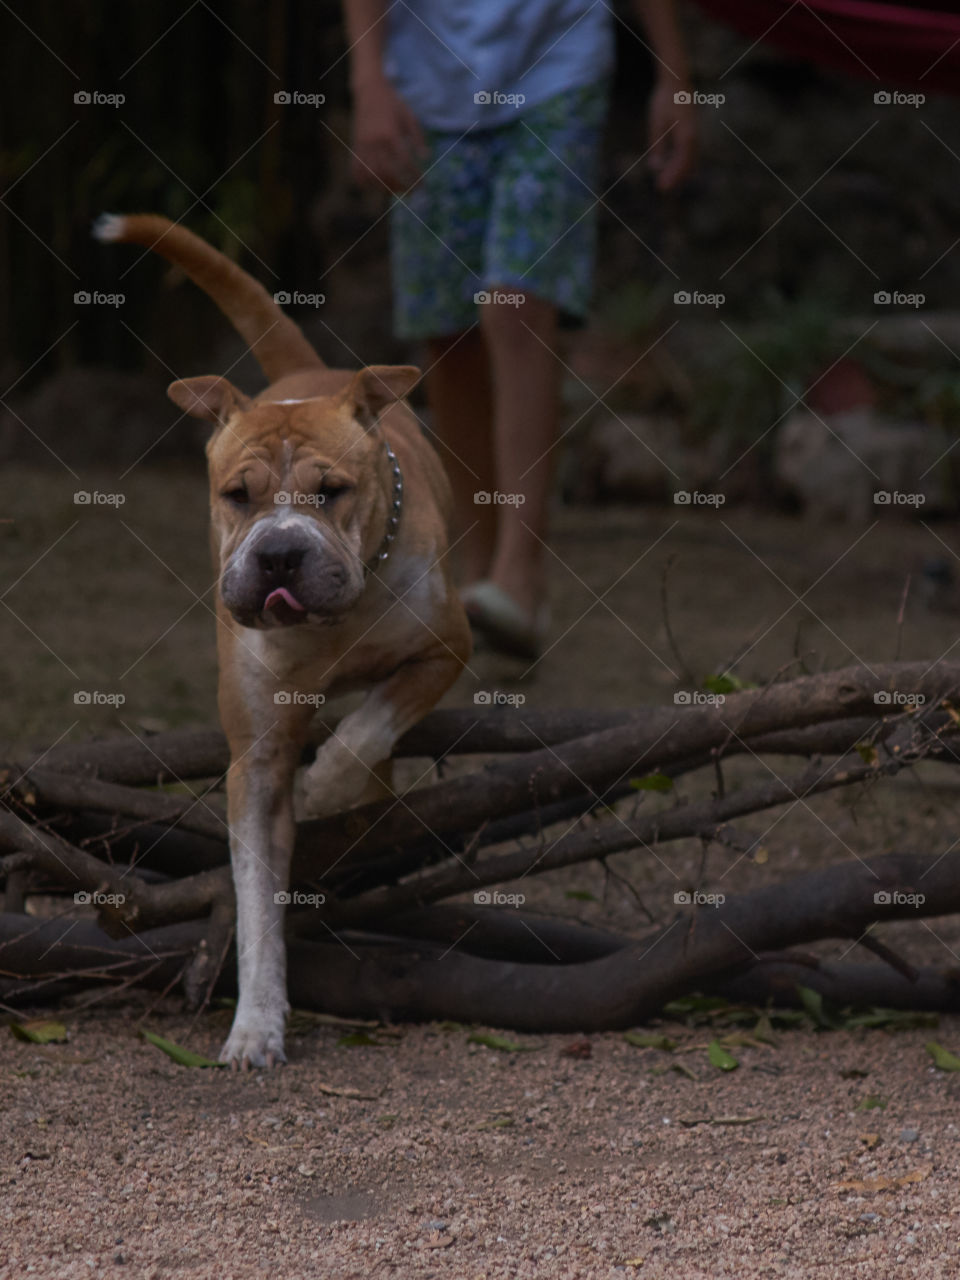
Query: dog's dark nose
{"x": 279, "y": 564}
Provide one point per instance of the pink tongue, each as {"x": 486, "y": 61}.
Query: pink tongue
{"x": 281, "y": 593}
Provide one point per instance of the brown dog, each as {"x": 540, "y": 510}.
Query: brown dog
{"x": 328, "y": 528}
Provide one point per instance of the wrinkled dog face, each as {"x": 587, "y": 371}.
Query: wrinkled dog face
{"x": 291, "y": 542}
{"x": 297, "y": 492}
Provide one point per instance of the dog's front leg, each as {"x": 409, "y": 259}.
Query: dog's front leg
{"x": 260, "y": 809}
{"x": 346, "y": 762}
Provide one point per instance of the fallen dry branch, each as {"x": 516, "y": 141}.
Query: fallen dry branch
{"x": 633, "y": 982}
{"x": 615, "y": 982}
{"x": 87, "y": 819}
{"x": 51, "y": 789}
{"x": 704, "y": 820}
{"x": 598, "y": 761}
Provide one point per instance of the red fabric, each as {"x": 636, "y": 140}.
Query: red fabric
{"x": 890, "y": 45}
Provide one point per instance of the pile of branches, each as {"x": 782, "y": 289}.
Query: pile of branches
{"x": 402, "y": 881}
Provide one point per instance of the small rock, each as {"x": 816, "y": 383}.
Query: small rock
{"x": 577, "y": 1049}
{"x": 909, "y": 1135}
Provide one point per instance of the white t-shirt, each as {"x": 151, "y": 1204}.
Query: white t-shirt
{"x": 459, "y": 63}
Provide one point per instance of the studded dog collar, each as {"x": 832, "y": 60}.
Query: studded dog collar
{"x": 393, "y": 519}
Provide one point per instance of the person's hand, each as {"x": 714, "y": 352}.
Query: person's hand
{"x": 388, "y": 143}
{"x": 672, "y": 132}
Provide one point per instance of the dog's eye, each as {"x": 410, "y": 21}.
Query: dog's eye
{"x": 237, "y": 495}
{"x": 330, "y": 492}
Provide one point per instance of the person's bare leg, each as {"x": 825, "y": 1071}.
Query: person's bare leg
{"x": 526, "y": 407}
{"x": 459, "y": 394}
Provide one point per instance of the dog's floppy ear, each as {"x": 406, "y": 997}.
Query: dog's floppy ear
{"x": 377, "y": 387}
{"x": 211, "y": 398}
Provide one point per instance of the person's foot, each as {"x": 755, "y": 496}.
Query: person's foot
{"x": 502, "y": 622}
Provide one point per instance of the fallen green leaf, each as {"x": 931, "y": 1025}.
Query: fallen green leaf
{"x": 721, "y": 1058}
{"x": 726, "y": 683}
{"x": 649, "y": 1040}
{"x": 697, "y": 1007}
{"x": 872, "y": 1102}
{"x": 943, "y": 1059}
{"x": 682, "y": 1069}
{"x": 741, "y": 1040}
{"x": 893, "y": 1019}
{"x": 39, "y": 1032}
{"x": 866, "y": 752}
{"x": 787, "y": 1017}
{"x": 764, "y": 1030}
{"x": 652, "y": 782}
{"x": 356, "y": 1040}
{"x": 183, "y": 1057}
{"x": 814, "y": 1006}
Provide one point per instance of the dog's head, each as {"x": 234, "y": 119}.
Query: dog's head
{"x": 300, "y": 493}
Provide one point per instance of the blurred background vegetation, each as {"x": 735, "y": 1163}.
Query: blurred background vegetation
{"x": 200, "y": 136}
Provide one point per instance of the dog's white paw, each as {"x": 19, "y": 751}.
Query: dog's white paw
{"x": 309, "y": 800}
{"x": 253, "y": 1044}
{"x": 325, "y": 788}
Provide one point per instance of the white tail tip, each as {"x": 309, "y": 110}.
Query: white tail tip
{"x": 109, "y": 226}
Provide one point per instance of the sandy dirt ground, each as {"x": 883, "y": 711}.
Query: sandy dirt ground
{"x": 461, "y": 1160}
{"x": 828, "y": 1153}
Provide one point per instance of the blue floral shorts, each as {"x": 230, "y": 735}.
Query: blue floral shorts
{"x": 514, "y": 205}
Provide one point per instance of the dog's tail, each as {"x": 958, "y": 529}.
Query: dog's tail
{"x": 277, "y": 343}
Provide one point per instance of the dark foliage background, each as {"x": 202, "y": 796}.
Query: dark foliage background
{"x": 200, "y": 137}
